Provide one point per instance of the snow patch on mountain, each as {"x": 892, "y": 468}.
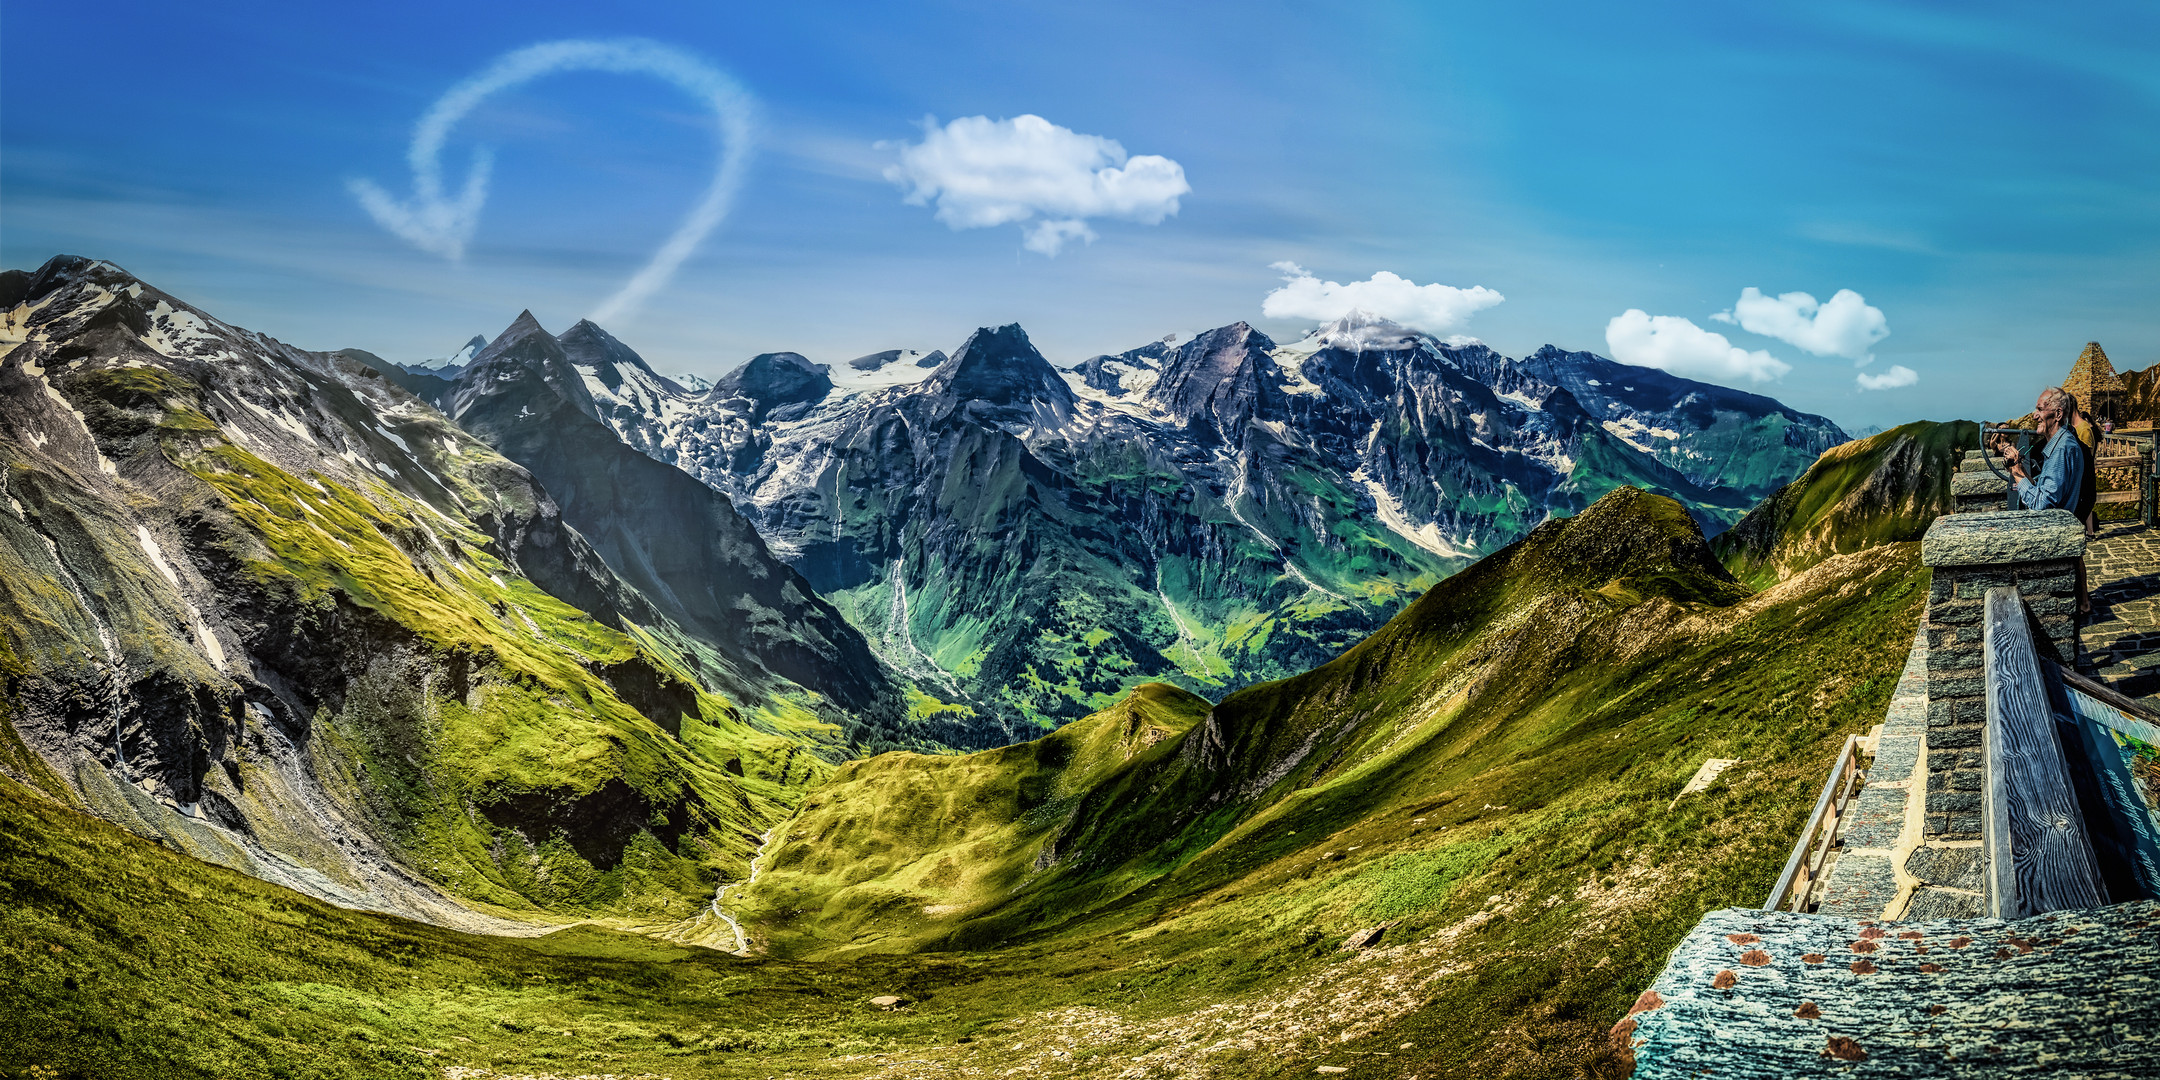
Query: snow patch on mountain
{"x": 449, "y": 366}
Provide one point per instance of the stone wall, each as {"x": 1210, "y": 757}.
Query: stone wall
{"x": 1976, "y": 489}
{"x": 2034, "y": 550}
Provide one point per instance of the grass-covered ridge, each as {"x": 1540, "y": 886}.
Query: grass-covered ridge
{"x": 1490, "y": 772}
{"x": 1886, "y": 488}
{"x": 892, "y": 849}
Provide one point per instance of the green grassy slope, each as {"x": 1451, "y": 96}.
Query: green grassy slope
{"x": 1882, "y": 489}
{"x": 1490, "y": 773}
{"x": 1492, "y": 769}
{"x": 893, "y": 836}
{"x": 125, "y": 960}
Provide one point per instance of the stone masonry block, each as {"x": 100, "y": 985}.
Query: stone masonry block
{"x": 1964, "y": 826}
{"x": 2010, "y": 536}
{"x": 1967, "y": 780}
{"x": 1953, "y": 802}
{"x": 1941, "y": 761}
{"x": 1956, "y": 686}
{"x": 1950, "y": 658}
{"x": 1955, "y": 613}
{"x": 2044, "y": 606}
{"x": 1954, "y": 738}
{"x": 2049, "y": 584}
{"x": 1973, "y": 585}
{"x": 1945, "y": 712}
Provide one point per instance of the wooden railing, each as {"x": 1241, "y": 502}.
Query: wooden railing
{"x": 1813, "y": 849}
{"x": 2039, "y": 857}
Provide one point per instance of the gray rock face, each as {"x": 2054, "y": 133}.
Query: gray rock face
{"x": 1754, "y": 993}
{"x": 245, "y": 579}
{"x": 1218, "y": 382}
{"x": 771, "y": 381}
{"x": 2008, "y": 536}
{"x": 678, "y": 541}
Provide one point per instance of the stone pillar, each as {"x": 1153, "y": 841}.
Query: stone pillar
{"x": 1975, "y": 489}
{"x": 2035, "y": 550}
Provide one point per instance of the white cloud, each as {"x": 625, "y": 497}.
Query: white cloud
{"x": 1677, "y": 345}
{"x": 1846, "y": 326}
{"x": 1049, "y": 236}
{"x": 984, "y": 172}
{"x": 1898, "y": 375}
{"x": 1432, "y": 308}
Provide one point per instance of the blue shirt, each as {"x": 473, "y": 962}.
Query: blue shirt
{"x": 2061, "y": 479}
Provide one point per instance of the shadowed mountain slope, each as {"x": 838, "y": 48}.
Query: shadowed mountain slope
{"x": 677, "y": 541}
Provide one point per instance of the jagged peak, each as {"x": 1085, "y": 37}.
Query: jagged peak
{"x": 525, "y": 344}
{"x": 999, "y": 366}
{"x": 1226, "y": 371}
{"x": 588, "y": 345}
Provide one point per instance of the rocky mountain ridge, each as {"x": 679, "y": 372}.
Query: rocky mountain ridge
{"x": 1031, "y": 542}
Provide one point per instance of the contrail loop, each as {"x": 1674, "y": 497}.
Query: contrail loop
{"x": 442, "y": 226}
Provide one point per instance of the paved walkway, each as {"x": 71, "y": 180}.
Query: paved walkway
{"x": 1879, "y": 832}
{"x": 2122, "y": 639}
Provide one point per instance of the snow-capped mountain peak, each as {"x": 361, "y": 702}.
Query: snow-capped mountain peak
{"x": 448, "y": 366}
{"x": 1359, "y": 330}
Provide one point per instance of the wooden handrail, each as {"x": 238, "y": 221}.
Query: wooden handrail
{"x": 2039, "y": 857}
{"x": 1830, "y": 795}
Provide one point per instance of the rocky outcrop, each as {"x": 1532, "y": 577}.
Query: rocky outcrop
{"x": 272, "y": 609}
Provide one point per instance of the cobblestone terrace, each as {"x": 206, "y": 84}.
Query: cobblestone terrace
{"x": 2122, "y": 638}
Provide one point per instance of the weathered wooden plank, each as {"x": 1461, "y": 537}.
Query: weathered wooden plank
{"x": 2118, "y": 497}
{"x": 1815, "y": 820}
{"x": 2039, "y": 857}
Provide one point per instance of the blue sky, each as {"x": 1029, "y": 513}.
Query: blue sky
{"x": 1987, "y": 180}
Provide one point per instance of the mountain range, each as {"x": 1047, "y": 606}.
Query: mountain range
{"x": 496, "y": 666}
{"x": 1027, "y": 543}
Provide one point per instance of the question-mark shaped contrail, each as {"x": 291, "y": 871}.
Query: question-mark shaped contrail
{"x": 442, "y": 226}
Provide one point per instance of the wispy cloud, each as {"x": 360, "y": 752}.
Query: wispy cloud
{"x": 983, "y": 172}
{"x": 1847, "y": 326}
{"x": 1898, "y": 375}
{"x": 1675, "y": 344}
{"x": 441, "y": 225}
{"x": 1432, "y": 308}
